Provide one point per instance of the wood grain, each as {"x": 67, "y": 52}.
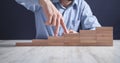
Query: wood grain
{"x": 24, "y": 44}
{"x": 104, "y": 28}
{"x": 102, "y": 36}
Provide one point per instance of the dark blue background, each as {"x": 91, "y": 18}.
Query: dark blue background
{"x": 16, "y": 22}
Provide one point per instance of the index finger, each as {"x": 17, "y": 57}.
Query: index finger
{"x": 57, "y": 27}
{"x": 60, "y": 22}
{"x": 63, "y": 26}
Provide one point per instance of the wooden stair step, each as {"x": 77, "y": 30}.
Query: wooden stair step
{"x": 24, "y": 44}
{"x": 102, "y": 36}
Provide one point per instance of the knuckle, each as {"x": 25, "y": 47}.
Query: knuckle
{"x": 58, "y": 16}
{"x": 50, "y": 14}
{"x": 54, "y": 15}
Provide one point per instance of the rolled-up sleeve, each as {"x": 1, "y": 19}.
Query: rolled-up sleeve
{"x": 32, "y": 5}
{"x": 88, "y": 20}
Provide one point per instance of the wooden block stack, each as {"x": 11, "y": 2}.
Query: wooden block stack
{"x": 88, "y": 37}
{"x": 56, "y": 41}
{"x": 51, "y": 41}
{"x": 72, "y": 39}
{"x": 102, "y": 36}
{"x": 39, "y": 42}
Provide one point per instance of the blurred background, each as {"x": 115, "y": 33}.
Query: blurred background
{"x": 16, "y": 22}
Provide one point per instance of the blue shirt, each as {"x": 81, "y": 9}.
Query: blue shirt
{"x": 78, "y": 13}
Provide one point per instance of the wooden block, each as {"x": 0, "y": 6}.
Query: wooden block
{"x": 104, "y": 31}
{"x": 72, "y": 43}
{"x": 88, "y": 44}
{"x": 104, "y": 28}
{"x": 40, "y": 43}
{"x": 56, "y": 39}
{"x": 104, "y": 35}
{"x": 71, "y": 38}
{"x": 104, "y": 43}
{"x": 24, "y": 44}
{"x": 87, "y": 32}
{"x": 56, "y": 43}
{"x": 72, "y": 35}
{"x": 87, "y": 35}
{"x": 40, "y": 40}
{"x": 104, "y": 38}
{"x": 49, "y": 44}
{"x": 74, "y": 39}
{"x": 87, "y": 38}
{"x": 87, "y": 41}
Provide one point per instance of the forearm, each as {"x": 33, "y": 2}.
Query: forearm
{"x": 54, "y": 17}
{"x": 43, "y": 2}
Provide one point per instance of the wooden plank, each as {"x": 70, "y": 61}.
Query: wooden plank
{"x": 56, "y": 43}
{"x": 104, "y": 28}
{"x": 87, "y": 32}
{"x": 71, "y": 38}
{"x": 56, "y": 39}
{"x": 105, "y": 43}
{"x": 75, "y": 39}
{"x": 23, "y": 44}
{"x": 104, "y": 38}
{"x": 87, "y": 35}
{"x": 72, "y": 35}
{"x": 104, "y": 35}
{"x": 104, "y": 32}
{"x": 88, "y": 44}
{"x": 40, "y": 43}
{"x": 72, "y": 43}
{"x": 87, "y": 41}
{"x": 49, "y": 44}
{"x": 87, "y": 38}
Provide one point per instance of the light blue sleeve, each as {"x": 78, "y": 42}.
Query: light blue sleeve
{"x": 32, "y": 5}
{"x": 88, "y": 20}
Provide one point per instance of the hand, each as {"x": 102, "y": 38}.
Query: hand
{"x": 54, "y": 17}
{"x": 72, "y": 31}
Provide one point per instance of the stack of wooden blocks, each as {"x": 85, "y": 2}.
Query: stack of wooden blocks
{"x": 102, "y": 36}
